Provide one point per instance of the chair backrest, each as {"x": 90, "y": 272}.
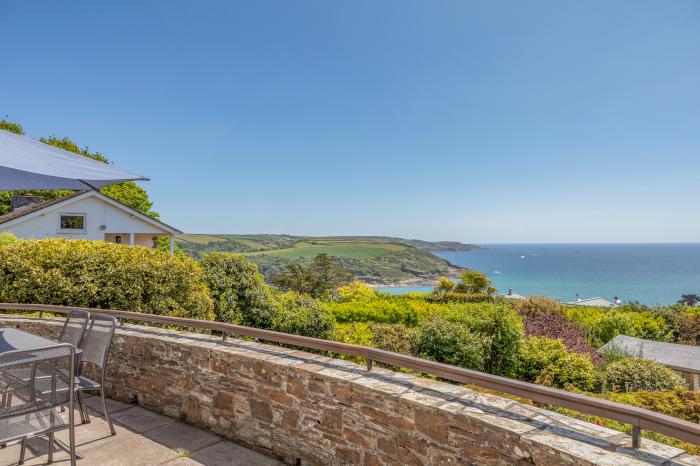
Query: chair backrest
{"x": 74, "y": 328}
{"x": 49, "y": 382}
{"x": 98, "y": 339}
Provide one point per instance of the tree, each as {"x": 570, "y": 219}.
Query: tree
{"x": 444, "y": 286}
{"x": 474, "y": 281}
{"x": 320, "y": 277}
{"x": 128, "y": 192}
{"x": 689, "y": 300}
{"x": 237, "y": 288}
{"x": 11, "y": 127}
{"x": 327, "y": 275}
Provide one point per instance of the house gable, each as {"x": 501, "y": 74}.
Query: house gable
{"x": 102, "y": 215}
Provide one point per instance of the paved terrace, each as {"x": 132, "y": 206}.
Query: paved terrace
{"x": 143, "y": 438}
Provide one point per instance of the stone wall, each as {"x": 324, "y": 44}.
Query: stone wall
{"x": 310, "y": 409}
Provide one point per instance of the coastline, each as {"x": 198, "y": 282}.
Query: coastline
{"x": 423, "y": 280}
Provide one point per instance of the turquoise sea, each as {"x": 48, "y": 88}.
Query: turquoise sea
{"x": 648, "y": 273}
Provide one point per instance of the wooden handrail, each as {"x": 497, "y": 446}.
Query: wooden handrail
{"x": 639, "y": 418}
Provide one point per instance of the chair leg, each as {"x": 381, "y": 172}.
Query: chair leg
{"x": 51, "y": 447}
{"x": 106, "y": 411}
{"x": 84, "y": 416}
{"x": 22, "y": 449}
{"x": 71, "y": 438}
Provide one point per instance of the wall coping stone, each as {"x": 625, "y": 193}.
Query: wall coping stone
{"x": 542, "y": 436}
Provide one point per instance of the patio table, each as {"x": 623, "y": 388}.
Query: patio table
{"x": 12, "y": 339}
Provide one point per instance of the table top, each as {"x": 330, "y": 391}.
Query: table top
{"x": 12, "y": 339}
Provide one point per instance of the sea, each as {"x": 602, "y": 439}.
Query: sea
{"x": 648, "y": 273}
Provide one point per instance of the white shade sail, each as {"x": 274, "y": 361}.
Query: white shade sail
{"x": 29, "y": 164}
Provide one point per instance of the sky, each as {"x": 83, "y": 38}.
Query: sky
{"x": 481, "y": 122}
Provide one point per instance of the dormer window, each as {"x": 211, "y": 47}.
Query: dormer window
{"x": 72, "y": 223}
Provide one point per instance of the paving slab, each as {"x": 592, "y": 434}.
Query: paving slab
{"x": 170, "y": 442}
{"x": 225, "y": 454}
{"x": 141, "y": 420}
{"x": 182, "y": 437}
{"x": 94, "y": 403}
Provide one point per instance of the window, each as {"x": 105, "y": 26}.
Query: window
{"x": 118, "y": 239}
{"x": 72, "y": 222}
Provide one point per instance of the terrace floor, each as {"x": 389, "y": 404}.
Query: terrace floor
{"x": 143, "y": 438}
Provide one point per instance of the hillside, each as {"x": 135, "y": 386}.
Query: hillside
{"x": 373, "y": 259}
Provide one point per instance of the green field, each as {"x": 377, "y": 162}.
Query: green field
{"x": 349, "y": 249}
{"x": 374, "y": 259}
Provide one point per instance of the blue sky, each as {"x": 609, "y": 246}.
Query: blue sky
{"x": 483, "y": 122}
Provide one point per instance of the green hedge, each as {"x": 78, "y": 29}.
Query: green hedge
{"x": 103, "y": 275}
{"x": 632, "y": 374}
{"x": 477, "y": 336}
{"x": 548, "y": 361}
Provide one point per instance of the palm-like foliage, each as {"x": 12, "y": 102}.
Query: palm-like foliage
{"x": 689, "y": 300}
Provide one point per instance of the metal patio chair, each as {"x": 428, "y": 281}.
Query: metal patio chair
{"x": 96, "y": 344}
{"x": 27, "y": 409}
{"x": 73, "y": 332}
{"x": 74, "y": 328}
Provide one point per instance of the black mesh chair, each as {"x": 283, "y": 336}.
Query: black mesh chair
{"x": 74, "y": 328}
{"x": 96, "y": 344}
{"x": 27, "y": 408}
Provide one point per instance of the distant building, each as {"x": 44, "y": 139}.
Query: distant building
{"x": 84, "y": 215}
{"x": 594, "y": 302}
{"x": 512, "y": 295}
{"x": 684, "y": 359}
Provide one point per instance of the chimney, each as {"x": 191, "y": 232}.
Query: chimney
{"x": 25, "y": 201}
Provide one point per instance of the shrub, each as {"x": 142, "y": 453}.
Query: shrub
{"x": 602, "y": 325}
{"x": 548, "y": 362}
{"x": 103, "y": 275}
{"x": 451, "y": 342}
{"x": 456, "y": 297}
{"x": 301, "y": 315}
{"x": 398, "y": 338}
{"x": 681, "y": 404}
{"x": 498, "y": 327}
{"x": 537, "y": 306}
{"x": 355, "y": 291}
{"x": 355, "y": 334}
{"x": 502, "y": 332}
{"x": 558, "y": 326}
{"x": 7, "y": 238}
{"x": 382, "y": 309}
{"x": 633, "y": 374}
{"x": 237, "y": 288}
{"x": 687, "y": 324}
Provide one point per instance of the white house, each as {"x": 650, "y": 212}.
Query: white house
{"x": 84, "y": 215}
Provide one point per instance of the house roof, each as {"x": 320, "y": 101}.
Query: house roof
{"x": 35, "y": 209}
{"x": 593, "y": 302}
{"x": 680, "y": 357}
{"x": 513, "y": 296}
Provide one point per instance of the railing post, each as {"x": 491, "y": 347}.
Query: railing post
{"x": 369, "y": 364}
{"x": 636, "y": 437}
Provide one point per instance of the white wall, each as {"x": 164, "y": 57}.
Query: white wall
{"x": 97, "y": 213}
